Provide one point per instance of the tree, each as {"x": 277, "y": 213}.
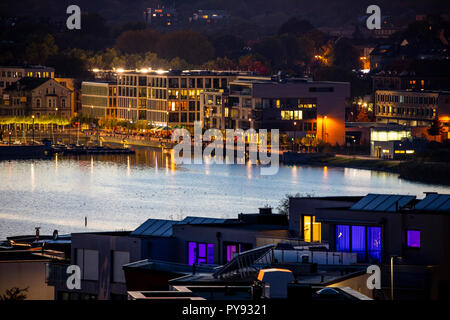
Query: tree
{"x": 188, "y": 45}
{"x": 253, "y": 62}
{"x": 137, "y": 41}
{"x": 346, "y": 55}
{"x": 283, "y": 207}
{"x": 362, "y": 116}
{"x": 228, "y": 45}
{"x": 40, "y": 48}
{"x": 14, "y": 294}
{"x": 295, "y": 27}
{"x": 271, "y": 48}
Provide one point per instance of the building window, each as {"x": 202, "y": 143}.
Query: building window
{"x": 119, "y": 258}
{"x": 312, "y": 230}
{"x": 231, "y": 250}
{"x": 359, "y": 241}
{"x": 413, "y": 238}
{"x": 342, "y": 238}
{"x": 200, "y": 253}
{"x": 38, "y": 103}
{"x": 365, "y": 241}
{"x": 63, "y": 103}
{"x": 374, "y": 242}
{"x": 87, "y": 260}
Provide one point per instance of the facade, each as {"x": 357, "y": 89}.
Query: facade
{"x": 215, "y": 109}
{"x": 218, "y": 242}
{"x": 9, "y": 75}
{"x": 410, "y": 108}
{"x": 297, "y": 107}
{"x": 379, "y": 227}
{"x": 99, "y": 99}
{"x": 74, "y": 86}
{"x": 166, "y": 98}
{"x": 394, "y": 142}
{"x": 38, "y": 97}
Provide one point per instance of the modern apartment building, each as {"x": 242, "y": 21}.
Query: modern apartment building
{"x": 166, "y": 97}
{"x": 9, "y": 75}
{"x": 99, "y": 99}
{"x": 297, "y": 107}
{"x": 411, "y": 108}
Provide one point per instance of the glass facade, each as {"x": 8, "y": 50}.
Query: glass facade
{"x": 365, "y": 241}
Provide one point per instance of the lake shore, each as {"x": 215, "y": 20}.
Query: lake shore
{"x": 413, "y": 170}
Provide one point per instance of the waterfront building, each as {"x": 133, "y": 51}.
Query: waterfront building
{"x": 99, "y": 99}
{"x": 36, "y": 96}
{"x": 219, "y": 111}
{"x": 166, "y": 97}
{"x": 394, "y": 142}
{"x": 413, "y": 108}
{"x": 10, "y": 74}
{"x": 74, "y": 86}
{"x": 379, "y": 228}
{"x": 298, "y": 107}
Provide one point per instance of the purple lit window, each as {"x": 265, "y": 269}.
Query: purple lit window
{"x": 413, "y": 238}
{"x": 374, "y": 242}
{"x": 192, "y": 253}
{"x": 231, "y": 249}
{"x": 210, "y": 254}
{"x": 342, "y": 238}
{"x": 200, "y": 253}
{"x": 359, "y": 241}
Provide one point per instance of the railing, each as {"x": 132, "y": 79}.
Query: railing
{"x": 297, "y": 243}
{"x": 319, "y": 257}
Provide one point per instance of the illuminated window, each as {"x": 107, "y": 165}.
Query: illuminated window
{"x": 200, "y": 253}
{"x": 365, "y": 241}
{"x": 413, "y": 238}
{"x": 278, "y": 103}
{"x": 312, "y": 230}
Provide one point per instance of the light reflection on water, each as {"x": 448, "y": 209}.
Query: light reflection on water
{"x": 117, "y": 192}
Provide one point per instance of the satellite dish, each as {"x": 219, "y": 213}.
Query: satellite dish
{"x": 55, "y": 235}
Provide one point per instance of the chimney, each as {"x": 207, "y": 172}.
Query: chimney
{"x": 265, "y": 210}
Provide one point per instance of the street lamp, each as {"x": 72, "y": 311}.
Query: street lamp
{"x": 398, "y": 258}
{"x": 33, "y": 127}
{"x": 167, "y": 125}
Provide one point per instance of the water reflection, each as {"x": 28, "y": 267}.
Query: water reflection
{"x": 125, "y": 190}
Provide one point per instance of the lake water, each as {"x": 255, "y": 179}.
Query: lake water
{"x": 119, "y": 192}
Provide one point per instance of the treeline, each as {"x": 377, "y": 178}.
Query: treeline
{"x": 296, "y": 48}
